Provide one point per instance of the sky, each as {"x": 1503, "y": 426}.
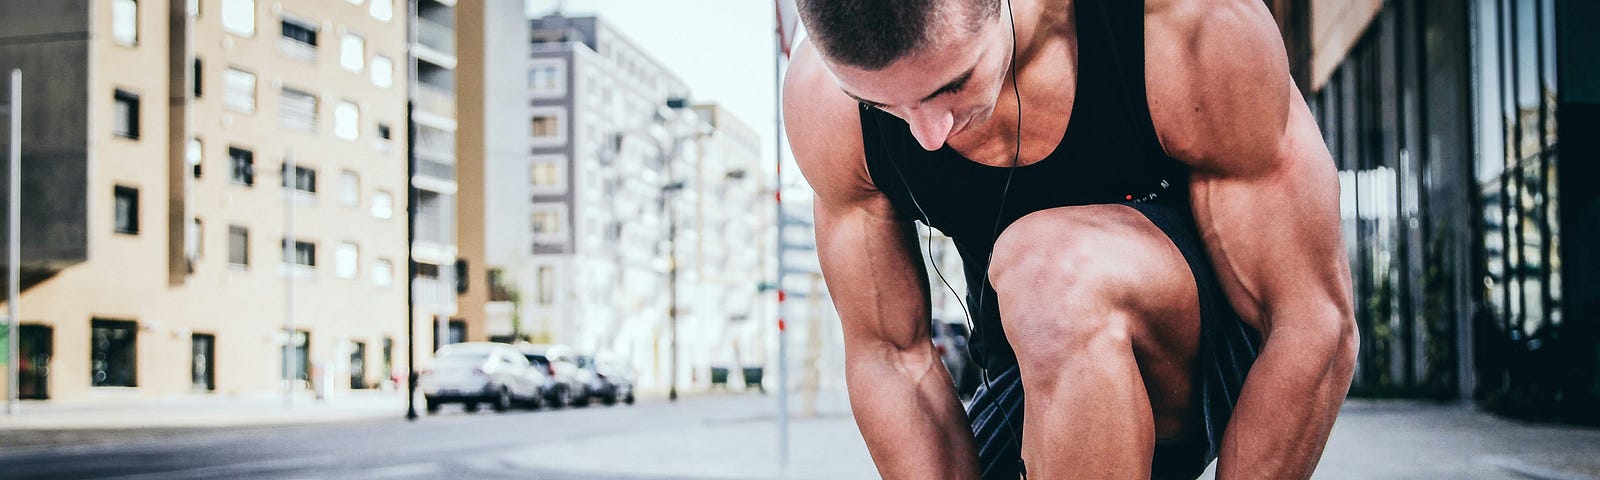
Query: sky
{"x": 723, "y": 49}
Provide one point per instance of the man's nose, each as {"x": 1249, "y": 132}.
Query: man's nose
{"x": 930, "y": 126}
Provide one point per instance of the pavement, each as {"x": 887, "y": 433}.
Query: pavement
{"x": 703, "y": 437}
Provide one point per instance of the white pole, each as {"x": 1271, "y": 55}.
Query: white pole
{"x": 14, "y": 247}
{"x": 777, "y": 141}
{"x": 290, "y": 263}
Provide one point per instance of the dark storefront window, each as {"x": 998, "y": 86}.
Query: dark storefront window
{"x": 358, "y": 366}
{"x": 113, "y": 353}
{"x": 302, "y": 356}
{"x": 203, "y": 362}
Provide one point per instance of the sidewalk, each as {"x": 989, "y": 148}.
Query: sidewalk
{"x": 201, "y": 411}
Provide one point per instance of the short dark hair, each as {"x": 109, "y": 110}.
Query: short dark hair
{"x": 872, "y": 34}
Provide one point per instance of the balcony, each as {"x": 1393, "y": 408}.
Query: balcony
{"x": 436, "y": 144}
{"x": 297, "y": 50}
{"x": 439, "y": 170}
{"x": 436, "y": 36}
{"x": 437, "y": 101}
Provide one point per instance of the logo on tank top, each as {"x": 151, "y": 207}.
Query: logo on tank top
{"x": 1149, "y": 196}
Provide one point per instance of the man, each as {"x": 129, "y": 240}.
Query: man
{"x": 1146, "y": 212}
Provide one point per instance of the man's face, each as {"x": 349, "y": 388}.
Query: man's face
{"x": 948, "y": 86}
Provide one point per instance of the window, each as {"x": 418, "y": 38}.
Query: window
{"x": 193, "y": 153}
{"x": 547, "y": 221}
{"x": 346, "y": 121}
{"x": 239, "y": 17}
{"x": 544, "y": 126}
{"x": 382, "y": 205}
{"x": 305, "y": 178}
{"x": 382, "y": 71}
{"x": 238, "y": 245}
{"x": 384, "y": 133}
{"x": 349, "y": 189}
{"x": 543, "y": 78}
{"x": 196, "y": 82}
{"x": 547, "y": 284}
{"x": 202, "y": 356}
{"x": 345, "y": 260}
{"x": 352, "y": 52}
{"x": 428, "y": 271}
{"x": 244, "y": 166}
{"x": 194, "y": 238}
{"x": 383, "y": 10}
{"x": 112, "y": 353}
{"x": 126, "y": 115}
{"x": 300, "y": 31}
{"x": 125, "y": 22}
{"x": 461, "y": 276}
{"x": 305, "y": 253}
{"x": 298, "y": 110}
{"x": 239, "y": 90}
{"x": 383, "y": 272}
{"x": 127, "y": 210}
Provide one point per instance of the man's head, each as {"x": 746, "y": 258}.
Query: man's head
{"x": 938, "y": 64}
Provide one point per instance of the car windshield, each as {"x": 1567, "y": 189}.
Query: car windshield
{"x": 538, "y": 360}
{"x": 459, "y": 361}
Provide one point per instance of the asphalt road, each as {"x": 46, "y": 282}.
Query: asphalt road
{"x": 452, "y": 444}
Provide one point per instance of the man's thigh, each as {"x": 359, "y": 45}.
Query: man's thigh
{"x": 1057, "y": 260}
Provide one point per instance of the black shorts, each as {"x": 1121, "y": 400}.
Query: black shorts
{"x": 1228, "y": 347}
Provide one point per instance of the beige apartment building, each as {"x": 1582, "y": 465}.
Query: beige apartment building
{"x": 158, "y": 139}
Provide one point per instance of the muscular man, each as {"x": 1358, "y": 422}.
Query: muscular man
{"x": 1148, "y": 218}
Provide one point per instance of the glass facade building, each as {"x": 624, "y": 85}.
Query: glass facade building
{"x": 1453, "y": 128}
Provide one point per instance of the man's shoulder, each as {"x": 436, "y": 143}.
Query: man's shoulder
{"x": 823, "y": 126}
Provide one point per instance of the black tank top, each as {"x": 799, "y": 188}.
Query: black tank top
{"x": 1109, "y": 154}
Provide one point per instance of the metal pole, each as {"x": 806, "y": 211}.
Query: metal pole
{"x": 672, "y": 265}
{"x": 777, "y": 195}
{"x": 14, "y": 244}
{"x": 290, "y": 262}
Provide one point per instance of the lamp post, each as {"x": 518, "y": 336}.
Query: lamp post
{"x": 13, "y": 107}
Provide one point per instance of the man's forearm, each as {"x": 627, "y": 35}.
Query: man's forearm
{"x": 908, "y": 412}
{"x": 1288, "y": 404}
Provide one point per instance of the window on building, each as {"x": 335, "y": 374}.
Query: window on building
{"x": 239, "y": 90}
{"x": 547, "y": 284}
{"x": 546, "y": 175}
{"x": 382, "y": 205}
{"x": 196, "y": 81}
{"x": 382, "y": 71}
{"x": 113, "y": 354}
{"x": 239, "y": 17}
{"x": 547, "y": 221}
{"x": 461, "y": 276}
{"x": 127, "y": 210}
{"x": 193, "y": 153}
{"x": 238, "y": 245}
{"x": 302, "y": 31}
{"x": 383, "y": 272}
{"x": 305, "y": 178}
{"x": 353, "y": 52}
{"x": 545, "y": 78}
{"x": 346, "y": 121}
{"x": 243, "y": 166}
{"x": 126, "y": 115}
{"x": 383, "y": 10}
{"x": 384, "y": 133}
{"x": 428, "y": 271}
{"x": 349, "y": 188}
{"x": 125, "y": 22}
{"x": 298, "y": 110}
{"x": 544, "y": 126}
{"x": 345, "y": 259}
{"x": 194, "y": 238}
{"x": 304, "y": 253}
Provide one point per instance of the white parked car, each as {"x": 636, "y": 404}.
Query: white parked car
{"x": 480, "y": 372}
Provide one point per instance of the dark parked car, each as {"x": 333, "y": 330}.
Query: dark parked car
{"x": 568, "y": 387}
{"x": 950, "y": 340}
{"x": 608, "y": 383}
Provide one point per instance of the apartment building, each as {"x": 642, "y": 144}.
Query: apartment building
{"x": 203, "y": 177}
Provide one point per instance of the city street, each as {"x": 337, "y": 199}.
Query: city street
{"x": 544, "y": 444}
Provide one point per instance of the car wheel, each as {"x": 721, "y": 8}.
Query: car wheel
{"x": 502, "y": 401}
{"x": 432, "y": 406}
{"x": 628, "y": 399}
{"x": 560, "y": 399}
{"x": 471, "y": 407}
